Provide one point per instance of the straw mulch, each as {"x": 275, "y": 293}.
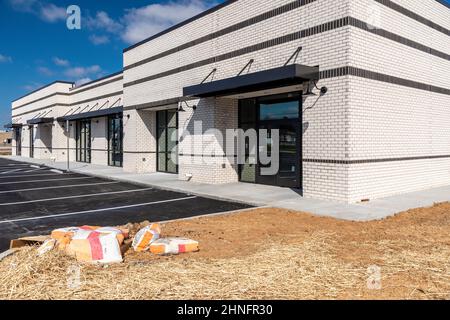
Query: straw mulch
{"x": 260, "y": 254}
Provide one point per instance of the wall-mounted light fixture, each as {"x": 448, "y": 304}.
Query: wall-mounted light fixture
{"x": 309, "y": 89}
{"x": 309, "y": 93}
{"x": 310, "y": 85}
{"x": 181, "y": 109}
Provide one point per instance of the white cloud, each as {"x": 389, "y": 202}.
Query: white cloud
{"x": 140, "y": 23}
{"x": 80, "y": 72}
{"x": 82, "y": 81}
{"x": 60, "y": 62}
{"x": 98, "y": 40}
{"x": 45, "y": 71}
{"x": 48, "y": 12}
{"x": 4, "y": 59}
{"x": 146, "y": 21}
{"x": 52, "y": 13}
{"x": 104, "y": 22}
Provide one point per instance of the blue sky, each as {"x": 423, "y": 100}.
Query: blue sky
{"x": 37, "y": 48}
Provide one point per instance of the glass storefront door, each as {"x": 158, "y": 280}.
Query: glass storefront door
{"x": 282, "y": 113}
{"x": 31, "y": 129}
{"x": 167, "y": 141}
{"x": 83, "y": 140}
{"x": 18, "y": 137}
{"x": 115, "y": 140}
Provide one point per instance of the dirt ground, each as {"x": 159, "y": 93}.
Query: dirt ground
{"x": 260, "y": 254}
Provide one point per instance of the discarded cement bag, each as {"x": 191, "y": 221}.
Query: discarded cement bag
{"x": 63, "y": 236}
{"x": 46, "y": 246}
{"x": 121, "y": 234}
{"x": 145, "y": 237}
{"x": 173, "y": 246}
{"x": 60, "y": 233}
{"x": 93, "y": 246}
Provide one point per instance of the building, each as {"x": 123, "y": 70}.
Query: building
{"x": 5, "y": 143}
{"x": 380, "y": 125}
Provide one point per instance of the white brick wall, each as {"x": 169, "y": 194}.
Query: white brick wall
{"x": 394, "y": 122}
{"x": 53, "y": 143}
{"x": 402, "y": 25}
{"x": 430, "y": 9}
{"x": 204, "y": 156}
{"x": 139, "y": 141}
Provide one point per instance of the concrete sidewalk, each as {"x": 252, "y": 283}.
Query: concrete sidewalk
{"x": 261, "y": 195}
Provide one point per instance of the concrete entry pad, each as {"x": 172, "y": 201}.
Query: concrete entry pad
{"x": 36, "y": 205}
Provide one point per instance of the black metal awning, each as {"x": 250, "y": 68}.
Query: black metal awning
{"x": 40, "y": 120}
{"x": 12, "y": 125}
{"x": 91, "y": 114}
{"x": 262, "y": 80}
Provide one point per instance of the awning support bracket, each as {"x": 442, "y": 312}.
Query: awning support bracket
{"x": 119, "y": 99}
{"x": 75, "y": 110}
{"x": 47, "y": 113}
{"x": 294, "y": 56}
{"x": 248, "y": 65}
{"x": 209, "y": 75}
{"x": 90, "y": 109}
{"x": 36, "y": 115}
{"x": 67, "y": 112}
{"x": 101, "y": 107}
{"x": 84, "y": 108}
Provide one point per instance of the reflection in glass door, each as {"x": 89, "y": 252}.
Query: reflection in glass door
{"x": 289, "y": 156}
{"x": 83, "y": 140}
{"x": 167, "y": 140}
{"x": 31, "y": 129}
{"x": 18, "y": 137}
{"x": 115, "y": 140}
{"x": 282, "y": 113}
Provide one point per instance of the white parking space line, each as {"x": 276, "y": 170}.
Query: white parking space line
{"x": 30, "y": 181}
{"x": 10, "y": 171}
{"x": 59, "y": 187}
{"x": 28, "y": 171}
{"x": 74, "y": 197}
{"x": 13, "y": 169}
{"x": 37, "y": 175}
{"x": 96, "y": 210}
{"x": 9, "y": 166}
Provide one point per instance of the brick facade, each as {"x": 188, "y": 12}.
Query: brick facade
{"x": 381, "y": 129}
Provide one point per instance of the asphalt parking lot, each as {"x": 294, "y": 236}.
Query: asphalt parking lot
{"x": 35, "y": 200}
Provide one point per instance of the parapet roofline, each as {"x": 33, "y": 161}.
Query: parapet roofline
{"x": 444, "y": 3}
{"x": 97, "y": 80}
{"x": 179, "y": 25}
{"x": 70, "y": 82}
{"x": 47, "y": 85}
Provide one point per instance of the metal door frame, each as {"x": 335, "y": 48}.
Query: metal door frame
{"x": 279, "y": 99}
